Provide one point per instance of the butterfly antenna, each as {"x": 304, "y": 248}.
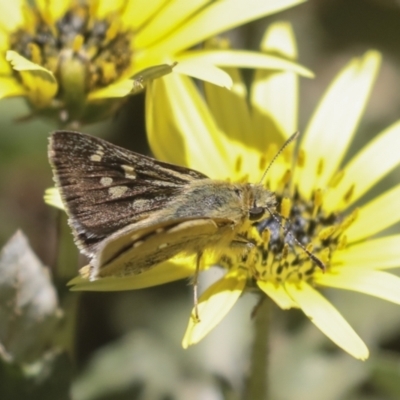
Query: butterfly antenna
{"x": 286, "y": 230}
{"x": 290, "y": 140}
{"x": 312, "y": 256}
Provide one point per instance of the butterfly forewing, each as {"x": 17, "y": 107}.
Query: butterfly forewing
{"x": 106, "y": 188}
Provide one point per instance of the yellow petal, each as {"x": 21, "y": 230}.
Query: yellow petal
{"x": 51, "y": 11}
{"x": 192, "y": 138}
{"x": 213, "y": 20}
{"x": 245, "y": 150}
{"x": 213, "y": 305}
{"x": 221, "y": 103}
{"x": 118, "y": 89}
{"x": 132, "y": 19}
{"x": 104, "y": 8}
{"x": 334, "y": 122}
{"x": 5, "y": 68}
{"x": 9, "y": 87}
{"x": 40, "y": 83}
{"x": 368, "y": 167}
{"x": 254, "y": 138}
{"x": 375, "y": 216}
{"x": 205, "y": 72}
{"x": 159, "y": 275}
{"x": 327, "y": 318}
{"x": 274, "y": 95}
{"x": 246, "y": 59}
{"x": 380, "y": 284}
{"x": 379, "y": 253}
{"x": 278, "y": 294}
{"x": 52, "y": 197}
{"x": 11, "y": 16}
{"x": 168, "y": 19}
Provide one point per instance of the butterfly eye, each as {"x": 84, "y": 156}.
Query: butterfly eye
{"x": 256, "y": 213}
{"x": 238, "y": 193}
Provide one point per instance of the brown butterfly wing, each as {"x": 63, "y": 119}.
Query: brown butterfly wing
{"x": 105, "y": 187}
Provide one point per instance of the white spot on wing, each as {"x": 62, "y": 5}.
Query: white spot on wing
{"x": 117, "y": 191}
{"x": 106, "y": 181}
{"x": 95, "y": 157}
{"x": 129, "y": 171}
{"x": 98, "y": 155}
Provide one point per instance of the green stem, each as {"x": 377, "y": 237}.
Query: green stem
{"x": 257, "y": 384}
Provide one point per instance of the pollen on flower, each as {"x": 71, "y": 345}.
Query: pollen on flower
{"x": 349, "y": 194}
{"x": 262, "y": 163}
{"x": 77, "y": 43}
{"x": 286, "y": 177}
{"x": 301, "y": 158}
{"x": 36, "y": 55}
{"x": 238, "y": 164}
{"x": 286, "y": 205}
{"x": 320, "y": 167}
{"x": 327, "y": 232}
{"x": 317, "y": 201}
{"x": 276, "y": 257}
{"x": 336, "y": 179}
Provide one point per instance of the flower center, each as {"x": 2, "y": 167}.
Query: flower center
{"x": 100, "y": 46}
{"x": 277, "y": 256}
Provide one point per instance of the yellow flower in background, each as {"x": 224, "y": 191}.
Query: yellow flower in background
{"x": 234, "y": 135}
{"x": 76, "y": 59}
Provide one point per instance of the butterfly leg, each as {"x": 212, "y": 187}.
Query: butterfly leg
{"x": 196, "y": 287}
{"x": 245, "y": 252}
{"x": 243, "y": 247}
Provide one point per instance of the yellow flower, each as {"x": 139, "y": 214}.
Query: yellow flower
{"x": 235, "y": 135}
{"x": 76, "y": 59}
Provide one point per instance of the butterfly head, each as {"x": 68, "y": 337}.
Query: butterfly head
{"x": 261, "y": 202}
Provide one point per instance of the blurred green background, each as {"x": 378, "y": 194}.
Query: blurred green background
{"x": 127, "y": 345}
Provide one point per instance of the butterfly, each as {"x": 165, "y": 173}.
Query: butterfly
{"x": 129, "y": 212}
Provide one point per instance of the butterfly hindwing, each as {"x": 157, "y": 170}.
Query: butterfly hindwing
{"x": 135, "y": 251}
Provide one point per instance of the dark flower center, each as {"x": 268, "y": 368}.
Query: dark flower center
{"x": 276, "y": 256}
{"x": 102, "y": 48}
